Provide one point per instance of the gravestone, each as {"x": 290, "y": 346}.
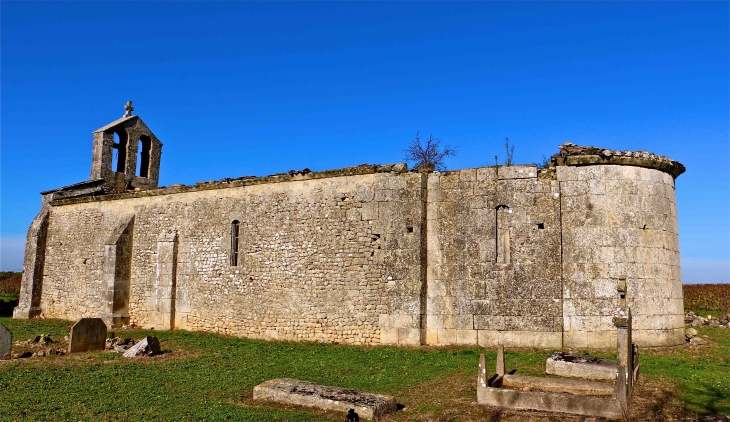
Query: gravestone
{"x": 87, "y": 334}
{"x": 6, "y": 341}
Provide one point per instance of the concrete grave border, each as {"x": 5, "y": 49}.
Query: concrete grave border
{"x": 562, "y": 395}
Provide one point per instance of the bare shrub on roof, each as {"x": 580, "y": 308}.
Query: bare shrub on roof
{"x": 429, "y": 153}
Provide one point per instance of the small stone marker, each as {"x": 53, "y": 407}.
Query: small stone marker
{"x": 87, "y": 334}
{"x": 147, "y": 346}
{"x": 303, "y": 393}
{"x": 6, "y": 342}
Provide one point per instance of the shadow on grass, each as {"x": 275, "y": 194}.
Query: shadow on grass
{"x": 710, "y": 399}
{"x": 6, "y": 307}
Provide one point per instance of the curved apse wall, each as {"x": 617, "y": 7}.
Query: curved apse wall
{"x": 619, "y": 238}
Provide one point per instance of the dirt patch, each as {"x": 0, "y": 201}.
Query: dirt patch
{"x": 169, "y": 354}
{"x": 454, "y": 399}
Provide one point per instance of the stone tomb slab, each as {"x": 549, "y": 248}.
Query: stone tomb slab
{"x": 6, "y": 342}
{"x": 87, "y": 334}
{"x": 586, "y": 367}
{"x": 290, "y": 391}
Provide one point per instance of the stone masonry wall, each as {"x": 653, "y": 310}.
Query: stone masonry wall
{"x": 494, "y": 258}
{"x": 335, "y": 259}
{"x": 620, "y": 227}
{"x": 369, "y": 255}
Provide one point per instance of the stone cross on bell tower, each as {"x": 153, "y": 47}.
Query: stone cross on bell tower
{"x": 128, "y": 109}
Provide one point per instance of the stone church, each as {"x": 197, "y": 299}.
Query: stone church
{"x": 373, "y": 254}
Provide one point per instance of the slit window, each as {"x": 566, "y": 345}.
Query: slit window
{"x": 234, "y": 242}
{"x": 502, "y": 234}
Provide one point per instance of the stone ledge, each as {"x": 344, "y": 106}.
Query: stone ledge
{"x": 303, "y": 393}
{"x": 673, "y": 168}
{"x": 574, "y": 155}
{"x": 239, "y": 182}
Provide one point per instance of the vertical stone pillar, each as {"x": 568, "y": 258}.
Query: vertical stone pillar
{"x": 117, "y": 273}
{"x": 163, "y": 315}
{"x": 35, "y": 256}
{"x": 624, "y": 357}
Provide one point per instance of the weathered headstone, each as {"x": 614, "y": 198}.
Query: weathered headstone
{"x": 6, "y": 342}
{"x": 87, "y": 334}
{"x": 147, "y": 346}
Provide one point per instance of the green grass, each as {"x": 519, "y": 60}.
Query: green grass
{"x": 208, "y": 384}
{"x": 209, "y": 377}
{"x": 702, "y": 375}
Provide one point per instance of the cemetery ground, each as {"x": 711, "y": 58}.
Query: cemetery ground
{"x": 203, "y": 376}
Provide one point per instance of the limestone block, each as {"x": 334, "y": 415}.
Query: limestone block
{"x": 403, "y": 321}
{"x": 489, "y": 322}
{"x": 585, "y": 323}
{"x": 436, "y": 287}
{"x": 388, "y": 335}
{"x": 434, "y": 321}
{"x": 445, "y": 305}
{"x": 517, "y": 172}
{"x": 595, "y": 306}
{"x": 532, "y": 339}
{"x": 488, "y": 338}
{"x": 431, "y": 336}
{"x": 409, "y": 336}
{"x": 574, "y": 188}
{"x": 369, "y": 211}
{"x": 468, "y": 175}
{"x": 486, "y": 174}
{"x": 485, "y": 307}
{"x": 462, "y": 322}
{"x": 605, "y": 289}
{"x": 446, "y": 336}
{"x": 466, "y": 337}
{"x": 531, "y": 323}
{"x": 658, "y": 322}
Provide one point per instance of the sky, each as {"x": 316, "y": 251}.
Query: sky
{"x": 235, "y": 89}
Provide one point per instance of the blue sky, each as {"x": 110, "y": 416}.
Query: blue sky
{"x": 236, "y": 89}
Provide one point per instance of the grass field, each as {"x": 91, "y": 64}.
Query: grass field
{"x": 204, "y": 376}
{"x": 209, "y": 377}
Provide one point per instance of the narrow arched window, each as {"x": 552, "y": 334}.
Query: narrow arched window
{"x": 234, "y": 243}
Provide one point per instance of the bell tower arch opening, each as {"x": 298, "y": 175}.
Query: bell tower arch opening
{"x": 119, "y": 157}
{"x": 143, "y": 156}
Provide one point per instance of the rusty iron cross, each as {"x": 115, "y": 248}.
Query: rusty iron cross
{"x": 129, "y": 109}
